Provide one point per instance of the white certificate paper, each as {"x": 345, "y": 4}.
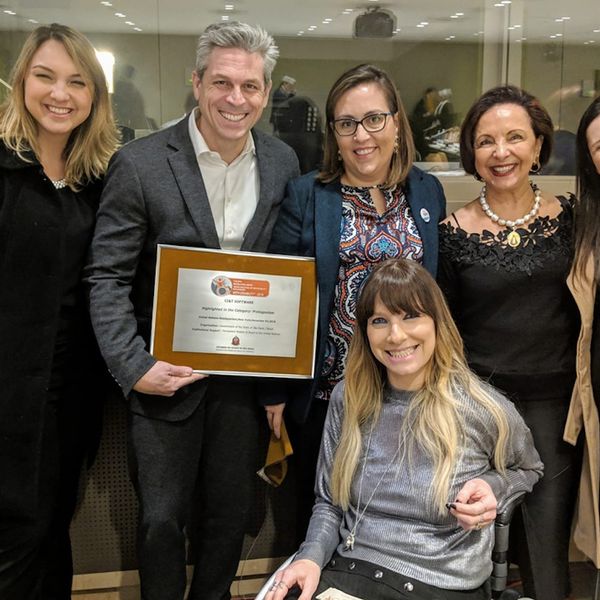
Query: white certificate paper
{"x": 236, "y": 313}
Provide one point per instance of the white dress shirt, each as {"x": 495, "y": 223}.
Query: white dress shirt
{"x": 232, "y": 190}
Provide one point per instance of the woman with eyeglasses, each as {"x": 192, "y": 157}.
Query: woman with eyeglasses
{"x": 368, "y": 203}
{"x": 56, "y": 138}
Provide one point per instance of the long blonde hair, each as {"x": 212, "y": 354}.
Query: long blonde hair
{"x": 92, "y": 143}
{"x": 435, "y": 417}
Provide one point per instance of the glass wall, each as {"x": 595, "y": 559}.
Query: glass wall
{"x": 441, "y": 55}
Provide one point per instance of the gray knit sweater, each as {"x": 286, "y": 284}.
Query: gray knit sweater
{"x": 400, "y": 529}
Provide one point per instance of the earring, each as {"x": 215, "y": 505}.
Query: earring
{"x": 396, "y": 146}
{"x": 535, "y": 167}
{"x": 339, "y": 156}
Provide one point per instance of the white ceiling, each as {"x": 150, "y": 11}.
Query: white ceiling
{"x": 533, "y": 19}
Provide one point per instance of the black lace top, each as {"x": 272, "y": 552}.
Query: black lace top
{"x": 512, "y": 305}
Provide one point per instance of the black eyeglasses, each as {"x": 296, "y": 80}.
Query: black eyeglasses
{"x": 371, "y": 123}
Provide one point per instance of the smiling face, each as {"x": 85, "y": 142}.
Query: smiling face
{"x": 593, "y": 142}
{"x": 57, "y": 94}
{"x": 403, "y": 343}
{"x": 366, "y": 156}
{"x": 505, "y": 147}
{"x": 231, "y": 96}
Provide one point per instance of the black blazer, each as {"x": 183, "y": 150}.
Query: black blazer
{"x": 32, "y": 257}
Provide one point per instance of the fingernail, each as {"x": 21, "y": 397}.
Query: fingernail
{"x": 450, "y": 505}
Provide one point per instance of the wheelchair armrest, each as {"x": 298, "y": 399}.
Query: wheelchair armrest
{"x": 265, "y": 588}
{"x": 504, "y": 518}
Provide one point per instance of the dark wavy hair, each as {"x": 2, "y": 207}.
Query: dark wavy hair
{"x": 541, "y": 123}
{"x": 587, "y": 212}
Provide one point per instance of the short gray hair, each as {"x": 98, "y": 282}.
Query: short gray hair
{"x": 233, "y": 34}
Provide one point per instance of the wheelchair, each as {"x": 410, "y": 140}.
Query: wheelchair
{"x": 499, "y": 576}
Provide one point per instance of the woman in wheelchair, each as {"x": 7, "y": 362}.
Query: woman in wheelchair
{"x": 417, "y": 455}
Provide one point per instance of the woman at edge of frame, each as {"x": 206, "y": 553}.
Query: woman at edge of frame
{"x": 583, "y": 283}
{"x": 56, "y": 138}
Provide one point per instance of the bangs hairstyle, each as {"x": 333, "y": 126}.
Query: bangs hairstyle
{"x": 587, "y": 213}
{"x": 233, "y": 34}
{"x": 540, "y": 120}
{"x": 402, "y": 159}
{"x": 436, "y": 416}
{"x": 93, "y": 142}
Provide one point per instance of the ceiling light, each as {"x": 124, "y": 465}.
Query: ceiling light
{"x": 511, "y": 28}
{"x": 566, "y": 18}
{"x": 32, "y": 21}
{"x": 596, "y": 30}
{"x": 505, "y": 2}
{"x": 300, "y": 33}
{"x": 559, "y": 35}
{"x": 460, "y": 14}
{"x": 312, "y": 27}
{"x": 137, "y": 29}
{"x": 517, "y": 26}
{"x": 120, "y": 15}
{"x": 105, "y": 3}
{"x": 454, "y": 16}
{"x": 229, "y": 7}
{"x": 129, "y": 23}
{"x": 12, "y": 13}
{"x": 224, "y": 17}
{"x": 499, "y": 5}
{"x": 327, "y": 21}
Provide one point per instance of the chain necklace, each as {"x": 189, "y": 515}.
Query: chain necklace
{"x": 513, "y": 238}
{"x": 349, "y": 546}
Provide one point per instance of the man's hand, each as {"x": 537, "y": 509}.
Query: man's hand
{"x": 275, "y": 417}
{"x": 164, "y": 379}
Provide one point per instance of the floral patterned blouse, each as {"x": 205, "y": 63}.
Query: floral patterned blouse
{"x": 367, "y": 238}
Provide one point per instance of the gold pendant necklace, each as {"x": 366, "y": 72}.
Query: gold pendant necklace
{"x": 513, "y": 238}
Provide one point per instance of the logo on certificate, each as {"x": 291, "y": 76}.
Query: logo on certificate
{"x": 221, "y": 286}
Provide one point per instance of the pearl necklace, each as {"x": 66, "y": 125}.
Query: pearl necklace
{"x": 59, "y": 184}
{"x": 513, "y": 238}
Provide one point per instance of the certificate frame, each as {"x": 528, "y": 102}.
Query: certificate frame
{"x": 170, "y": 259}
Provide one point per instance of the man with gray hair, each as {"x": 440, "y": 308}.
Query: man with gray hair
{"x": 211, "y": 181}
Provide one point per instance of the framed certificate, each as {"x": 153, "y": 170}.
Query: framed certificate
{"x": 235, "y": 313}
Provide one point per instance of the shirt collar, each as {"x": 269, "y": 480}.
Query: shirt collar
{"x": 200, "y": 145}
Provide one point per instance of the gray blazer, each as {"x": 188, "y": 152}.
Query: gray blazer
{"x": 154, "y": 194}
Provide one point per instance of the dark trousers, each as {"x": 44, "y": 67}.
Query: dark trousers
{"x": 196, "y": 477}
{"x": 540, "y": 532}
{"x": 35, "y": 550}
{"x": 306, "y": 441}
{"x": 366, "y": 580}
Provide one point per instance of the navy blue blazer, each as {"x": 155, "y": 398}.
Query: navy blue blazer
{"x": 310, "y": 223}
